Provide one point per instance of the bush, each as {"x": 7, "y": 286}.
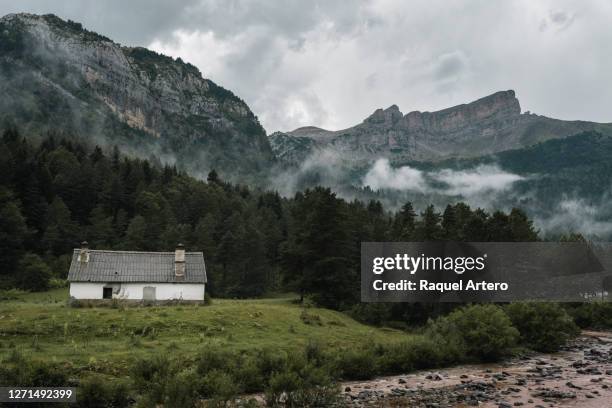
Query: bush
{"x": 483, "y": 332}
{"x": 214, "y": 357}
{"x": 219, "y": 386}
{"x": 356, "y": 364}
{"x": 248, "y": 375}
{"x": 307, "y": 387}
{"x": 161, "y": 382}
{"x": 33, "y": 274}
{"x": 592, "y": 315}
{"x": 416, "y": 354}
{"x": 95, "y": 392}
{"x": 542, "y": 326}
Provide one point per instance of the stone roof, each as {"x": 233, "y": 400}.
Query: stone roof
{"x": 133, "y": 266}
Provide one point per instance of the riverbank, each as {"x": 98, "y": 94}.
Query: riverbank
{"x": 578, "y": 376}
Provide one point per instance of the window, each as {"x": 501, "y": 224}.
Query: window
{"x": 107, "y": 293}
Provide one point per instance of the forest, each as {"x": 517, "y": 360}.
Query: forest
{"x": 59, "y": 192}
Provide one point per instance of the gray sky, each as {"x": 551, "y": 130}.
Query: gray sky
{"x": 331, "y": 63}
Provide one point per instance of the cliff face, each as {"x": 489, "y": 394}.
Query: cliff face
{"x": 489, "y": 125}
{"x": 55, "y": 75}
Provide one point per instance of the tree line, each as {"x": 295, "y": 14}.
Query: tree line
{"x": 59, "y": 192}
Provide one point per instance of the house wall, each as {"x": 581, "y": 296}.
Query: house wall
{"x": 133, "y": 291}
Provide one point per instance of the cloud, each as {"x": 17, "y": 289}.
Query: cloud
{"x": 383, "y": 176}
{"x": 483, "y": 179}
{"x": 578, "y": 215}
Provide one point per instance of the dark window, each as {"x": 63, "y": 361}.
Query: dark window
{"x": 107, "y": 293}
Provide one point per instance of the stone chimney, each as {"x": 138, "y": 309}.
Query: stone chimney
{"x": 84, "y": 252}
{"x": 179, "y": 262}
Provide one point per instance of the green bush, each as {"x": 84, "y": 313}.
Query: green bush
{"x": 182, "y": 390}
{"x": 248, "y": 374}
{"x": 482, "y": 332}
{"x": 360, "y": 364}
{"x": 219, "y": 386}
{"x": 415, "y": 354}
{"x": 162, "y": 381}
{"x": 99, "y": 393}
{"x": 542, "y": 326}
{"x": 214, "y": 357}
{"x": 592, "y": 315}
{"x": 271, "y": 361}
{"x": 307, "y": 387}
{"x": 33, "y": 274}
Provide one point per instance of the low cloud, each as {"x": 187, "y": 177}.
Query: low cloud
{"x": 484, "y": 179}
{"x": 578, "y": 215}
{"x": 480, "y": 180}
{"x": 382, "y": 176}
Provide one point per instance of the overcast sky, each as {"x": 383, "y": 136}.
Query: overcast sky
{"x": 331, "y": 63}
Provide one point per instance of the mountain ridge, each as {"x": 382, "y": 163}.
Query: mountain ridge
{"x": 59, "y": 76}
{"x": 487, "y": 125}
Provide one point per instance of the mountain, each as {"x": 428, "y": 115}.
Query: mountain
{"x": 57, "y": 76}
{"x": 489, "y": 125}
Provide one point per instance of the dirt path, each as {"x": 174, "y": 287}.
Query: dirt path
{"x": 578, "y": 376}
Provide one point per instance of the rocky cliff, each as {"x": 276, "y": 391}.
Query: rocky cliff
{"x": 57, "y": 76}
{"x": 489, "y": 125}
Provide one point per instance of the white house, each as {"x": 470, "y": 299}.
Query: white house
{"x": 134, "y": 275}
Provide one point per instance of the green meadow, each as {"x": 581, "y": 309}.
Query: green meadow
{"x": 107, "y": 339}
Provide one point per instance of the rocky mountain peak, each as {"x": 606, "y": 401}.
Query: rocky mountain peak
{"x": 488, "y": 125}
{"x": 385, "y": 117}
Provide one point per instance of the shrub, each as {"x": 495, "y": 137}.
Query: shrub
{"x": 416, "y": 354}
{"x": 161, "y": 382}
{"x": 542, "y": 326}
{"x": 482, "y": 332}
{"x": 94, "y": 393}
{"x": 219, "y": 386}
{"x": 314, "y": 353}
{"x": 33, "y": 274}
{"x": 356, "y": 364}
{"x": 592, "y": 315}
{"x": 214, "y": 357}
{"x": 248, "y": 374}
{"x": 182, "y": 390}
{"x": 271, "y": 361}
{"x": 308, "y": 387}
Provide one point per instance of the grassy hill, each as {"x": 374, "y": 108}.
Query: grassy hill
{"x": 106, "y": 339}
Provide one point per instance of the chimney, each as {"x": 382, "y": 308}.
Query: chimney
{"x": 179, "y": 262}
{"x": 84, "y": 252}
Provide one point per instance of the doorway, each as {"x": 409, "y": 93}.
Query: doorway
{"x": 148, "y": 293}
{"x": 107, "y": 293}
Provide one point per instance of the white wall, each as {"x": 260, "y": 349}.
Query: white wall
{"x": 133, "y": 291}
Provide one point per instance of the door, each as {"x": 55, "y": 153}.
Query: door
{"x": 148, "y": 293}
{"x": 107, "y": 293}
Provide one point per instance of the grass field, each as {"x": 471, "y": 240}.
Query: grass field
{"x": 105, "y": 339}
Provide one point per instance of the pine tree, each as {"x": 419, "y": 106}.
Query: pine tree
{"x": 449, "y": 223}
{"x": 404, "y": 223}
{"x": 428, "y": 227}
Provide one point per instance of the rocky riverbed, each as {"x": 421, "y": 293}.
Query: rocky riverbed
{"x": 578, "y": 376}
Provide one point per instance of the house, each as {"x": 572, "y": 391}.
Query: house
{"x": 135, "y": 275}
